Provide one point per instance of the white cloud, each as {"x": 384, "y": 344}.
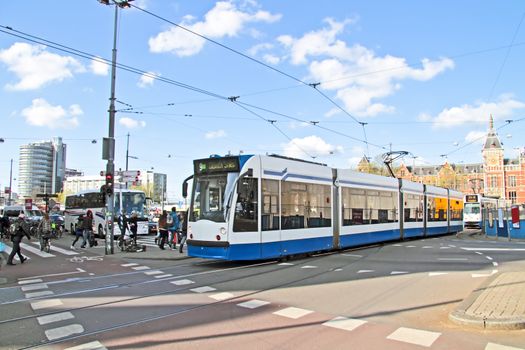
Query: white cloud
{"x": 131, "y": 123}
{"x": 356, "y": 72}
{"x": 147, "y": 79}
{"x": 99, "y": 67}
{"x": 478, "y": 113}
{"x": 313, "y": 146}
{"x": 41, "y": 113}
{"x": 215, "y": 134}
{"x": 225, "y": 19}
{"x": 35, "y": 67}
{"x": 476, "y": 136}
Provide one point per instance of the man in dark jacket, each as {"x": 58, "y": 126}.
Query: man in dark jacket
{"x": 21, "y": 229}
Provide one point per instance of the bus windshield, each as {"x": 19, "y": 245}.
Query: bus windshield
{"x": 211, "y": 196}
{"x": 132, "y": 202}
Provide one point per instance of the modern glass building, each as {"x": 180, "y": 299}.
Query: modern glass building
{"x": 42, "y": 167}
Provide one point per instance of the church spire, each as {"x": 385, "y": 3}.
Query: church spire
{"x": 491, "y": 122}
{"x": 492, "y": 140}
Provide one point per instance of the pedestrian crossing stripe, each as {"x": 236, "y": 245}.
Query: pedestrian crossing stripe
{"x": 27, "y": 250}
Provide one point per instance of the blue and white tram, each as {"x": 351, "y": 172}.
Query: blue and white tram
{"x": 251, "y": 207}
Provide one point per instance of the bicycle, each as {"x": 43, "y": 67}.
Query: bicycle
{"x": 45, "y": 243}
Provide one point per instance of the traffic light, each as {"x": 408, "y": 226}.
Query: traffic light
{"x": 109, "y": 184}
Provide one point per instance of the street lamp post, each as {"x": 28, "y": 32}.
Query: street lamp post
{"x": 10, "y": 182}
{"x": 110, "y": 167}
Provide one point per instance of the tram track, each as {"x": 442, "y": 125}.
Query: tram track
{"x": 310, "y": 260}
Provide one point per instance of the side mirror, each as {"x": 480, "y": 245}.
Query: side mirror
{"x": 185, "y": 190}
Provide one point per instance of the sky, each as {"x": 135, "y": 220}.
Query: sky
{"x": 328, "y": 81}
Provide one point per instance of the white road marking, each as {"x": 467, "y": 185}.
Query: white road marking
{"x": 427, "y": 247}
{"x": 222, "y": 296}
{"x": 80, "y": 270}
{"x": 344, "y": 323}
{"x": 45, "y": 304}
{"x": 182, "y": 282}
{"x": 153, "y": 272}
{"x": 293, "y": 312}
{"x": 129, "y": 265}
{"x": 253, "y": 304}
{"x": 431, "y": 274}
{"x": 410, "y": 246}
{"x": 164, "y": 276}
{"x": 453, "y": 259}
{"x": 37, "y": 280}
{"x": 39, "y": 294}
{"x": 285, "y": 264}
{"x": 398, "y": 272}
{"x": 52, "y": 275}
{"x": 62, "y": 332}
{"x": 365, "y": 271}
{"x": 353, "y": 255}
{"x": 54, "y": 318}
{"x": 414, "y": 336}
{"x": 204, "y": 289}
{"x": 494, "y": 263}
{"x": 94, "y": 345}
{"x": 64, "y": 251}
{"x": 36, "y": 251}
{"x": 337, "y": 270}
{"x": 396, "y": 245}
{"x": 486, "y": 274}
{"x": 34, "y": 287}
{"x": 452, "y": 246}
{"x": 489, "y": 257}
{"x": 309, "y": 267}
{"x": 444, "y": 248}
{"x": 495, "y": 249}
{"x": 140, "y": 268}
{"x": 479, "y": 253}
{"x": 493, "y": 346}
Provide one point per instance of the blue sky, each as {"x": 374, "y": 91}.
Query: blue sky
{"x": 423, "y": 75}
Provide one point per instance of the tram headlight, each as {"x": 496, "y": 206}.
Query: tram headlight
{"x": 222, "y": 231}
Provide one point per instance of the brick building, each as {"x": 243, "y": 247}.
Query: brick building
{"x": 495, "y": 177}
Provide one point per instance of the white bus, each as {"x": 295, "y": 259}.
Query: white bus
{"x": 126, "y": 201}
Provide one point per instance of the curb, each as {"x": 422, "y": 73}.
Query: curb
{"x": 460, "y": 317}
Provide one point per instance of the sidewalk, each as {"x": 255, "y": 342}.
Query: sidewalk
{"x": 498, "y": 304}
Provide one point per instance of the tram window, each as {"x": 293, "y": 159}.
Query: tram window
{"x": 368, "y": 206}
{"x": 270, "y": 209}
{"x": 413, "y": 211}
{"x": 305, "y": 205}
{"x": 246, "y": 207}
{"x": 437, "y": 208}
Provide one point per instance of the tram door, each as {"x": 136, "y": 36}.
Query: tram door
{"x": 271, "y": 218}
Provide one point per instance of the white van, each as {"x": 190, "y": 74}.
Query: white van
{"x": 12, "y": 212}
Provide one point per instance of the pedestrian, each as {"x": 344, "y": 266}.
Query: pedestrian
{"x": 44, "y": 231}
{"x": 184, "y": 230}
{"x": 133, "y": 226}
{"x": 20, "y": 230}
{"x": 4, "y": 226}
{"x": 79, "y": 232}
{"x": 87, "y": 229}
{"x": 163, "y": 229}
{"x": 173, "y": 227}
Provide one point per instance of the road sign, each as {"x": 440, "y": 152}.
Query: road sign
{"x": 29, "y": 204}
{"x": 130, "y": 175}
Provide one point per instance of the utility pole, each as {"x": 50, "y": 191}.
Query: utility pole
{"x": 10, "y": 182}
{"x": 109, "y": 143}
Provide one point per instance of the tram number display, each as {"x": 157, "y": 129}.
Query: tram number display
{"x": 216, "y": 165}
{"x": 471, "y": 198}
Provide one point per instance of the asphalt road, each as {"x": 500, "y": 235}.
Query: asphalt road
{"x": 395, "y": 296}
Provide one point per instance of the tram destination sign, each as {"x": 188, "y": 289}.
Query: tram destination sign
{"x": 471, "y": 198}
{"x": 216, "y": 165}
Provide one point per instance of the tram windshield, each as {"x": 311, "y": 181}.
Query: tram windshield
{"x": 211, "y": 196}
{"x": 471, "y": 208}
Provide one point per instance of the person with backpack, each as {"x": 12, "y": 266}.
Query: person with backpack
{"x": 184, "y": 230}
{"x": 163, "y": 229}
{"x": 20, "y": 230}
{"x": 173, "y": 227}
{"x": 79, "y": 231}
{"x": 87, "y": 230}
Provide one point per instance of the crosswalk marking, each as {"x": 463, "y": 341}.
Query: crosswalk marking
{"x": 344, "y": 323}
{"x": 293, "y": 312}
{"x": 34, "y": 287}
{"x": 204, "y": 289}
{"x": 38, "y": 294}
{"x": 42, "y": 320}
{"x": 222, "y": 296}
{"x": 94, "y": 345}
{"x": 164, "y": 276}
{"x": 129, "y": 265}
{"x": 36, "y": 280}
{"x": 153, "y": 272}
{"x": 65, "y": 331}
{"x": 253, "y": 304}
{"x": 182, "y": 282}
{"x": 493, "y": 346}
{"x": 45, "y": 304}
{"x": 36, "y": 251}
{"x": 140, "y": 268}
{"x": 414, "y": 336}
{"x": 8, "y": 251}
